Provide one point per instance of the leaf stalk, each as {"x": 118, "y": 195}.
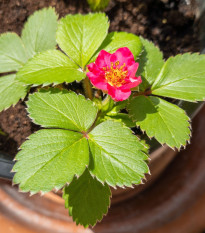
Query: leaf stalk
{"x": 87, "y": 88}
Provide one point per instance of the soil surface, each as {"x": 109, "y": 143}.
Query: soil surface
{"x": 168, "y": 23}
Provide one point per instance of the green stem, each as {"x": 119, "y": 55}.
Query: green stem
{"x": 87, "y": 88}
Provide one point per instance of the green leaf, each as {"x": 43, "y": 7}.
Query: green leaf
{"x": 2, "y": 133}
{"x": 49, "y": 67}
{"x": 182, "y": 77}
{"x": 11, "y": 91}
{"x": 116, "y": 40}
{"x": 98, "y": 5}
{"x": 39, "y": 33}
{"x": 117, "y": 156}
{"x": 150, "y": 63}
{"x": 81, "y": 35}
{"x": 118, "y": 106}
{"x": 50, "y": 159}
{"x": 87, "y": 199}
{"x": 113, "y": 113}
{"x": 160, "y": 119}
{"x": 106, "y": 105}
{"x": 61, "y": 109}
{"x": 121, "y": 117}
{"x": 12, "y": 52}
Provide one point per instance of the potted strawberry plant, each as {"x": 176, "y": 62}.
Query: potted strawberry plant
{"x": 87, "y": 144}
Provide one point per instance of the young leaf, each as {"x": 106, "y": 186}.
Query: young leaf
{"x": 50, "y": 159}
{"x": 11, "y": 91}
{"x": 182, "y": 77}
{"x": 116, "y": 40}
{"x": 150, "y": 63}
{"x": 118, "y": 106}
{"x": 61, "y": 109}
{"x": 81, "y": 35}
{"x": 98, "y": 5}
{"x": 12, "y": 52}
{"x": 39, "y": 33}
{"x": 121, "y": 117}
{"x": 117, "y": 156}
{"x": 160, "y": 119}
{"x": 87, "y": 199}
{"x": 49, "y": 67}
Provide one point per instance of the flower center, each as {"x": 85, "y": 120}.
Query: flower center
{"x": 115, "y": 75}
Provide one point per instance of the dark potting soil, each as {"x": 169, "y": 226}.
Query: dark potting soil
{"x": 170, "y": 24}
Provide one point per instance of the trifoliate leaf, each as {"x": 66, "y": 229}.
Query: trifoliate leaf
{"x": 182, "y": 77}
{"x": 117, "y": 156}
{"x": 81, "y": 35}
{"x": 49, "y": 159}
{"x": 61, "y": 109}
{"x": 116, "y": 40}
{"x": 11, "y": 91}
{"x": 160, "y": 119}
{"x": 150, "y": 63}
{"x": 87, "y": 199}
{"x": 49, "y": 67}
{"x": 12, "y": 52}
{"x": 39, "y": 33}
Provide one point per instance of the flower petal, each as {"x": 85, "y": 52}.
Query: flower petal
{"x": 134, "y": 83}
{"x": 118, "y": 94}
{"x": 123, "y": 55}
{"x": 103, "y": 59}
{"x": 132, "y": 69}
{"x": 95, "y": 69}
{"x": 98, "y": 81}
{"x": 92, "y": 67}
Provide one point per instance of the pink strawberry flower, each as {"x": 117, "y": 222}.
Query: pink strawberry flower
{"x": 115, "y": 73}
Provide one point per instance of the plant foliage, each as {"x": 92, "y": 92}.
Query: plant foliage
{"x": 86, "y": 145}
{"x": 98, "y": 5}
{"x": 54, "y": 156}
{"x": 38, "y": 35}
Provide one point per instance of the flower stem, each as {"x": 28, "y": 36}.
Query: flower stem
{"x": 146, "y": 93}
{"x": 87, "y": 88}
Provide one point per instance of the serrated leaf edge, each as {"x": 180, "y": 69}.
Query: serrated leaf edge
{"x": 162, "y": 144}
{"x": 65, "y": 91}
{"x": 90, "y": 13}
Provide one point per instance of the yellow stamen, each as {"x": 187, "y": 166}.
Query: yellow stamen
{"x": 115, "y": 75}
